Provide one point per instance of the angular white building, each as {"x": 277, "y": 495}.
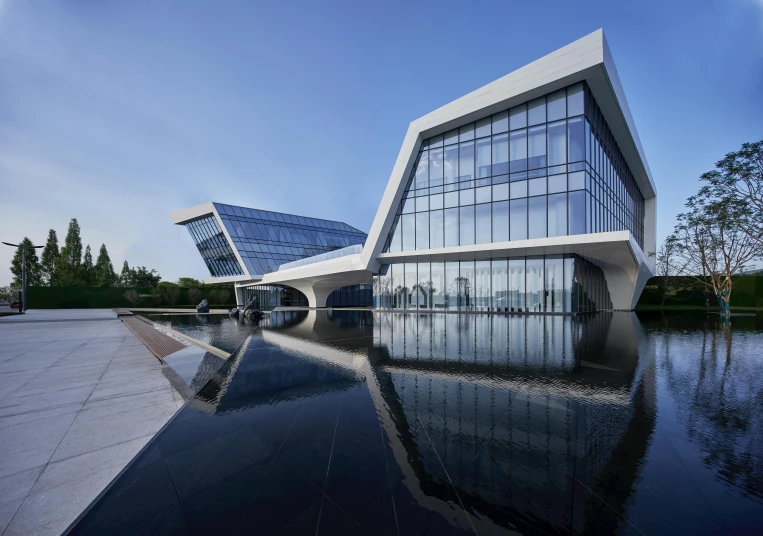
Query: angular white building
{"x": 530, "y": 194}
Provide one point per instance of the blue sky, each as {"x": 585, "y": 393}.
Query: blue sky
{"x": 118, "y": 112}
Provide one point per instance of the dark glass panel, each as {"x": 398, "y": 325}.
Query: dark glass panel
{"x": 483, "y": 223}
{"x": 466, "y": 161}
{"x": 483, "y": 158}
{"x": 518, "y": 217}
{"x": 466, "y": 225}
{"x": 500, "y": 154}
{"x": 451, "y": 227}
{"x": 436, "y": 232}
{"x": 537, "y": 217}
{"x": 500, "y": 221}
{"x": 518, "y": 150}
{"x": 557, "y": 143}
{"x": 422, "y": 230}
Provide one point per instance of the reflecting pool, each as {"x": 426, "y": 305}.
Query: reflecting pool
{"x": 219, "y": 330}
{"x": 344, "y": 422}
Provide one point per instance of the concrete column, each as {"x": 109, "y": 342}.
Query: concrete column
{"x": 239, "y": 295}
{"x": 625, "y": 284}
{"x": 316, "y": 296}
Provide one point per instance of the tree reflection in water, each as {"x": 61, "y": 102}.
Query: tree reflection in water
{"x": 714, "y": 375}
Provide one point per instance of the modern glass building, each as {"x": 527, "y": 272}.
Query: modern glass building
{"x": 545, "y": 168}
{"x": 232, "y": 239}
{"x": 529, "y": 195}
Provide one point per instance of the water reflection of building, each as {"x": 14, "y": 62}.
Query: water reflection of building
{"x": 524, "y": 418}
{"x": 525, "y": 413}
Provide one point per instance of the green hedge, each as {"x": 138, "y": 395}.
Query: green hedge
{"x": 109, "y": 297}
{"x": 746, "y": 291}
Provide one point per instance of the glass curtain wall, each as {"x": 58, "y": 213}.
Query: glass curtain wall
{"x": 271, "y": 296}
{"x": 549, "y": 167}
{"x": 265, "y": 240}
{"x": 550, "y": 284}
{"x": 214, "y": 247}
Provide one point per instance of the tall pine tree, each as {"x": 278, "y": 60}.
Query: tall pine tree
{"x": 69, "y": 265}
{"x": 104, "y": 270}
{"x": 50, "y": 257}
{"x": 125, "y": 278}
{"x": 33, "y": 270}
{"x": 88, "y": 270}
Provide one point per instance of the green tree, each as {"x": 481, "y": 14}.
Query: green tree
{"x": 50, "y": 255}
{"x": 33, "y": 269}
{"x": 70, "y": 263}
{"x": 713, "y": 244}
{"x": 189, "y": 282}
{"x": 125, "y": 277}
{"x": 104, "y": 270}
{"x": 738, "y": 179}
{"x": 142, "y": 277}
{"x": 88, "y": 270}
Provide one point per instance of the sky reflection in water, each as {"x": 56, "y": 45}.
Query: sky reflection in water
{"x": 385, "y": 423}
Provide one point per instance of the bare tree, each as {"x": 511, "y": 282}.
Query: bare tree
{"x": 669, "y": 265}
{"x": 173, "y": 295}
{"x": 222, "y": 296}
{"x": 194, "y": 295}
{"x": 738, "y": 178}
{"x": 132, "y": 296}
{"x": 463, "y": 289}
{"x": 713, "y": 244}
{"x": 157, "y": 294}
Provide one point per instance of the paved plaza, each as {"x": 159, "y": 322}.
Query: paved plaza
{"x": 80, "y": 395}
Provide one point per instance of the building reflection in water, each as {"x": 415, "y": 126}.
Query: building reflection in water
{"x": 529, "y": 417}
{"x": 518, "y": 421}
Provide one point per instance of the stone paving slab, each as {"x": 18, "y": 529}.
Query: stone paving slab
{"x": 59, "y": 315}
{"x": 80, "y": 395}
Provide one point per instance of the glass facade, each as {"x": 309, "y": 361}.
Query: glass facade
{"x": 266, "y": 239}
{"x": 548, "y": 167}
{"x": 542, "y": 284}
{"x": 272, "y": 296}
{"x": 214, "y": 247}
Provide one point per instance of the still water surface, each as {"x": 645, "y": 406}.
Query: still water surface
{"x": 350, "y": 422}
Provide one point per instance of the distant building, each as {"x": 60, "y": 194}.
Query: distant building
{"x": 530, "y": 194}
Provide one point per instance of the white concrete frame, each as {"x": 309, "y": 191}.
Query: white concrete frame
{"x": 625, "y": 265}
{"x": 187, "y": 215}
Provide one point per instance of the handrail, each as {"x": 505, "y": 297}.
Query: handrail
{"x": 335, "y": 254}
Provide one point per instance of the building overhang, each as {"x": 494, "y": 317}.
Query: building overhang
{"x": 237, "y": 279}
{"x": 335, "y": 273}
{"x": 187, "y": 215}
{"x": 616, "y": 248}
{"x": 205, "y": 210}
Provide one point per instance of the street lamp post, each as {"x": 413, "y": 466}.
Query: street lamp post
{"x": 22, "y": 305}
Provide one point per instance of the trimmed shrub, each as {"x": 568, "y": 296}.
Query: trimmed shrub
{"x": 110, "y": 297}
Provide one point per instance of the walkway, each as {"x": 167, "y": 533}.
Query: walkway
{"x": 80, "y": 395}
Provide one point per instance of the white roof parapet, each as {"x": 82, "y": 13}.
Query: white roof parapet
{"x": 587, "y": 59}
{"x": 183, "y": 216}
